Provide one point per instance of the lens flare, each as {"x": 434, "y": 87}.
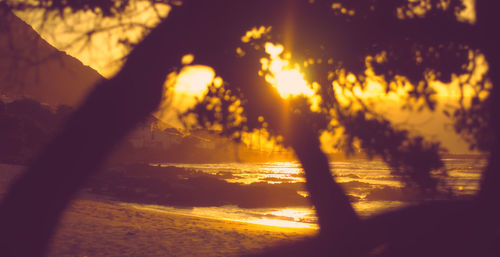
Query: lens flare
{"x": 285, "y": 77}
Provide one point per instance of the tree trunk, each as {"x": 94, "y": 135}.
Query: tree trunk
{"x": 33, "y": 206}
{"x": 333, "y": 208}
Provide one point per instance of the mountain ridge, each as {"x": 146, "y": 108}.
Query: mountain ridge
{"x": 32, "y": 68}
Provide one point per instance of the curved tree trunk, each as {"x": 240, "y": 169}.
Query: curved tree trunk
{"x": 30, "y": 211}
{"x": 32, "y": 208}
{"x": 333, "y": 208}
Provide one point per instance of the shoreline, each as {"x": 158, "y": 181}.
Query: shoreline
{"x": 271, "y": 224}
{"x": 106, "y": 228}
{"x": 86, "y": 196}
{"x": 215, "y": 219}
{"x": 95, "y": 225}
{"x": 115, "y": 214}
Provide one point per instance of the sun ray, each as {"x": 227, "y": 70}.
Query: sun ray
{"x": 282, "y": 74}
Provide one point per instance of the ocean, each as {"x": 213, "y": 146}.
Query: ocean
{"x": 373, "y": 175}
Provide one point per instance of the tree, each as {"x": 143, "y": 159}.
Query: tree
{"x": 402, "y": 42}
{"x": 420, "y": 41}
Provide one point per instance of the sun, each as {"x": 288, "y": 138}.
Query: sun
{"x": 290, "y": 82}
{"x": 282, "y": 74}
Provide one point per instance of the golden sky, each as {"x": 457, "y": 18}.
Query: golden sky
{"x": 103, "y": 53}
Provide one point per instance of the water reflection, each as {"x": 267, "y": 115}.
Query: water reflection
{"x": 464, "y": 173}
{"x": 293, "y": 217}
{"x": 247, "y": 173}
{"x": 282, "y": 223}
{"x": 358, "y": 177}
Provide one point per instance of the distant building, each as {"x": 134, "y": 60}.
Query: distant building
{"x": 203, "y": 139}
{"x": 149, "y": 135}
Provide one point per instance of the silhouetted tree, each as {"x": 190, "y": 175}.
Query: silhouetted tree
{"x": 402, "y": 42}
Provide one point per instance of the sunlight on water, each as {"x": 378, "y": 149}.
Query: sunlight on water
{"x": 306, "y": 219}
{"x": 463, "y": 173}
{"x": 292, "y": 213}
{"x": 358, "y": 177}
{"x": 368, "y": 208}
{"x": 285, "y": 217}
{"x": 282, "y": 223}
{"x": 247, "y": 173}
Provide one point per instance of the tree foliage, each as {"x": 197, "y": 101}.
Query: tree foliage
{"x": 401, "y": 44}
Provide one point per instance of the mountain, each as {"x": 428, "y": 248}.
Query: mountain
{"x": 32, "y": 68}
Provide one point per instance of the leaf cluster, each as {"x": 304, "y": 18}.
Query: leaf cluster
{"x": 393, "y": 41}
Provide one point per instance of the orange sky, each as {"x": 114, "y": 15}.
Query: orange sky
{"x": 104, "y": 51}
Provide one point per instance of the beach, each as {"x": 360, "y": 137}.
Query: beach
{"x": 96, "y": 226}
{"x": 99, "y": 228}
{"x": 198, "y": 210}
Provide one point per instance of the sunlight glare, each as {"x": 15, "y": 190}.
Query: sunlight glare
{"x": 255, "y": 33}
{"x": 295, "y": 214}
{"x": 193, "y": 80}
{"x": 187, "y": 59}
{"x": 282, "y": 223}
{"x": 183, "y": 90}
{"x": 287, "y": 78}
{"x": 291, "y": 82}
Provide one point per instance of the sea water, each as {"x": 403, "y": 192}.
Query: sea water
{"x": 463, "y": 178}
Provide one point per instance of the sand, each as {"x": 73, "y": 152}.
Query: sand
{"x": 94, "y": 226}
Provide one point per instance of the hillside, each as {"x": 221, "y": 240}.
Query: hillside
{"x": 30, "y": 67}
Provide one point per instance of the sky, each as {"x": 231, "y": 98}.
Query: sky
{"x": 104, "y": 53}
